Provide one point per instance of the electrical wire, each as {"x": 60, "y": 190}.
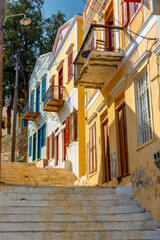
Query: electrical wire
{"x": 128, "y": 30}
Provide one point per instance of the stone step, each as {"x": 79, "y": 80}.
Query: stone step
{"x": 77, "y": 226}
{"x": 56, "y": 190}
{"x": 61, "y": 196}
{"x": 43, "y": 176}
{"x": 67, "y": 203}
{"x": 79, "y": 217}
{"x": 76, "y": 210}
{"x": 82, "y": 235}
{"x": 38, "y": 182}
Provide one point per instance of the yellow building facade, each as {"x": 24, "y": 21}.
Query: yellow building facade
{"x": 118, "y": 66}
{"x": 66, "y": 124}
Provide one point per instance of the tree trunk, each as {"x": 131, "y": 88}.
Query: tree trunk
{"x": 26, "y": 93}
{"x": 9, "y": 115}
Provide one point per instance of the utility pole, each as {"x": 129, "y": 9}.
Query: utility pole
{"x": 2, "y": 13}
{"x": 15, "y": 111}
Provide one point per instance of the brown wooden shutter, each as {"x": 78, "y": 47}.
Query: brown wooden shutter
{"x": 125, "y": 13}
{"x": 74, "y": 125}
{"x": 67, "y": 131}
{"x": 47, "y": 148}
{"x": 52, "y": 154}
{"x": 71, "y": 64}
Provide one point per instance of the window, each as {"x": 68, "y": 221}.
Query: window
{"x": 43, "y": 87}
{"x": 144, "y": 122}
{"x": 30, "y": 146}
{"x": 129, "y": 8}
{"x": 92, "y": 149}
{"x": 133, "y": 7}
{"x": 70, "y": 65}
{"x": 44, "y": 135}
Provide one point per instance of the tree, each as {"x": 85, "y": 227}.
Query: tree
{"x": 32, "y": 40}
{"x": 52, "y": 25}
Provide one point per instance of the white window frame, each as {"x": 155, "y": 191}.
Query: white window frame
{"x": 143, "y": 105}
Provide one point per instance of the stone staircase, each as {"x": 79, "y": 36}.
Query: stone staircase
{"x": 29, "y": 174}
{"x": 73, "y": 213}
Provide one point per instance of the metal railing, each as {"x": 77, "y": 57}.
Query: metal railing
{"x": 99, "y": 38}
{"x": 31, "y": 107}
{"x": 56, "y": 92}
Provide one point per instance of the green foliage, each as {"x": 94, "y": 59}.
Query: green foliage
{"x": 32, "y": 41}
{"x": 52, "y": 25}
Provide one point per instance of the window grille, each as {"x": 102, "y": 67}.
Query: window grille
{"x": 144, "y": 120}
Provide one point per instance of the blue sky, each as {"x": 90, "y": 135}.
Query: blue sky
{"x": 68, "y": 7}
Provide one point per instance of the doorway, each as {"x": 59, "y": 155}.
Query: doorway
{"x": 123, "y": 145}
{"x": 106, "y": 152}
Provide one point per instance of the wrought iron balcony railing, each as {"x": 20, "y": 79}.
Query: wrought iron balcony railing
{"x": 31, "y": 111}
{"x": 54, "y": 98}
{"x": 103, "y": 41}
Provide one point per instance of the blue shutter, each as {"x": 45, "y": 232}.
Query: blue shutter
{"x": 32, "y": 102}
{"x": 22, "y": 123}
{"x": 30, "y": 146}
{"x": 41, "y": 137}
{"x": 43, "y": 87}
{"x": 44, "y": 134}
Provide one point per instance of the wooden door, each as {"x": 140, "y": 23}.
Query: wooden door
{"x": 60, "y": 83}
{"x": 57, "y": 150}
{"x": 107, "y": 162}
{"x": 65, "y": 144}
{"x": 123, "y": 140}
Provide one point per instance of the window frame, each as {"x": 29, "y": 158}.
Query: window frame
{"x": 140, "y": 111}
{"x": 92, "y": 149}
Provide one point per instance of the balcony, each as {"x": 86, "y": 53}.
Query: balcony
{"x": 54, "y": 98}
{"x": 31, "y": 111}
{"x": 99, "y": 56}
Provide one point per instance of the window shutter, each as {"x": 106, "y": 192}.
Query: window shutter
{"x": 125, "y": 13}
{"x": 71, "y": 64}
{"x": 67, "y": 131}
{"x": 74, "y": 124}
{"x": 68, "y": 67}
{"x": 132, "y": 1}
{"x": 52, "y": 145}
{"x": 47, "y": 148}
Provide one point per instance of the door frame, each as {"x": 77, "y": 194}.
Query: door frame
{"x": 118, "y": 142}
{"x": 103, "y": 151}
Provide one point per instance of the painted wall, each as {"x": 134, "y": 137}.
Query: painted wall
{"x": 144, "y": 175}
{"x": 74, "y": 98}
{"x": 40, "y": 70}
